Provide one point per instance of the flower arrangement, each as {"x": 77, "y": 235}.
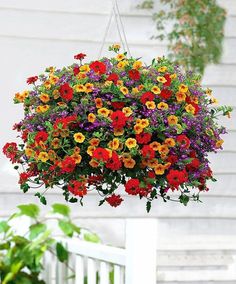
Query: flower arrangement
{"x": 111, "y": 122}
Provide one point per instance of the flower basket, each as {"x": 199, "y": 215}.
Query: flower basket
{"x": 111, "y": 122}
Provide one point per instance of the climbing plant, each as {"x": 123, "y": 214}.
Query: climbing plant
{"x": 194, "y": 30}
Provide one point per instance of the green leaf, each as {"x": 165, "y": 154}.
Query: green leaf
{"x": 62, "y": 252}
{"x": 43, "y": 200}
{"x": 61, "y": 209}
{"x": 36, "y": 229}
{"x": 184, "y": 199}
{"x": 30, "y": 210}
{"x": 93, "y": 238}
{"x": 4, "y": 227}
{"x": 66, "y": 227}
{"x": 148, "y": 206}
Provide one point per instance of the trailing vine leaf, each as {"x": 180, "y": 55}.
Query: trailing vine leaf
{"x": 30, "y": 210}
{"x": 61, "y": 209}
{"x": 62, "y": 252}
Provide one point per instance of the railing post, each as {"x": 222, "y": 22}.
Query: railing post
{"x": 141, "y": 245}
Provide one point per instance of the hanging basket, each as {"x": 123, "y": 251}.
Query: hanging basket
{"x": 111, "y": 122}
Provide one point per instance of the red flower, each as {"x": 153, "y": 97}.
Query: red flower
{"x": 24, "y": 177}
{"x": 10, "y": 151}
{"x": 65, "y": 121}
{"x": 94, "y": 179}
{"x": 172, "y": 159}
{"x": 41, "y": 136}
{"x": 66, "y": 92}
{"x": 196, "y": 106}
{"x": 176, "y": 178}
{"x": 113, "y": 77}
{"x": 101, "y": 154}
{"x": 168, "y": 80}
{"x": 98, "y": 67}
{"x": 80, "y": 56}
{"x": 76, "y": 70}
{"x": 148, "y": 152}
{"x": 114, "y": 162}
{"x": 148, "y": 96}
{"x": 118, "y": 105}
{"x": 132, "y": 186}
{"x": 134, "y": 74}
{"x": 118, "y": 119}
{"x": 144, "y": 191}
{"x": 77, "y": 188}
{"x": 32, "y": 80}
{"x": 68, "y": 165}
{"x": 183, "y": 141}
{"x": 195, "y": 163}
{"x": 143, "y": 138}
{"x": 114, "y": 200}
{"x": 151, "y": 174}
{"x": 165, "y": 94}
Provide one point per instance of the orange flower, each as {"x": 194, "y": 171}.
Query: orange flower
{"x": 170, "y": 142}
{"x": 44, "y": 98}
{"x": 219, "y": 143}
{"x": 114, "y": 144}
{"x": 138, "y": 129}
{"x": 118, "y": 131}
{"x": 89, "y": 87}
{"x": 172, "y": 119}
{"x": 98, "y": 102}
{"x": 155, "y": 145}
{"x": 129, "y": 163}
{"x": 91, "y": 117}
{"x": 152, "y": 163}
{"x": 163, "y": 149}
{"x": 159, "y": 169}
{"x": 94, "y": 142}
{"x": 190, "y": 109}
{"x": 180, "y": 97}
{"x": 77, "y": 158}
{"x": 90, "y": 150}
{"x": 56, "y": 143}
{"x": 93, "y": 163}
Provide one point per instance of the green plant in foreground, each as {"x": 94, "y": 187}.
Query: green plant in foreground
{"x": 21, "y": 256}
{"x": 194, "y": 31}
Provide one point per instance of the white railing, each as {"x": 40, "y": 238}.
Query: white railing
{"x": 98, "y": 264}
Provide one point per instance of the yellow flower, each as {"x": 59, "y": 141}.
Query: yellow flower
{"x": 120, "y": 57}
{"x": 56, "y": 143}
{"x": 155, "y": 145}
{"x": 53, "y": 79}
{"x": 89, "y": 87}
{"x": 94, "y": 142}
{"x": 172, "y": 119}
{"x": 79, "y": 137}
{"x": 214, "y": 101}
{"x": 90, "y": 150}
{"x": 131, "y": 143}
{"x": 42, "y": 108}
{"x": 80, "y": 88}
{"x": 150, "y": 105}
{"x": 104, "y": 112}
{"x": 91, "y": 117}
{"x": 209, "y": 91}
{"x": 115, "y": 46}
{"x": 129, "y": 163}
{"x": 138, "y": 129}
{"x": 77, "y": 158}
{"x": 180, "y": 97}
{"x": 156, "y": 90}
{"x": 47, "y": 85}
{"x": 159, "y": 169}
{"x": 162, "y": 69}
{"x": 56, "y": 94}
{"x": 127, "y": 111}
{"x": 163, "y": 149}
{"x": 173, "y": 76}
{"x": 162, "y": 106}
{"x": 29, "y": 152}
{"x": 122, "y": 64}
{"x": 108, "y": 83}
{"x": 93, "y": 163}
{"x": 161, "y": 79}
{"x": 183, "y": 88}
{"x": 170, "y": 142}
{"x": 190, "y": 109}
{"x": 137, "y": 64}
{"x": 84, "y": 68}
{"x": 219, "y": 143}
{"x": 152, "y": 163}
{"x": 114, "y": 145}
{"x": 43, "y": 156}
{"x": 52, "y": 155}
{"x": 120, "y": 83}
{"x": 44, "y": 98}
{"x": 76, "y": 150}
{"x": 118, "y": 131}
{"x": 62, "y": 104}
{"x": 143, "y": 123}
{"x": 124, "y": 90}
{"x": 20, "y": 97}
{"x": 135, "y": 90}
{"x": 126, "y": 156}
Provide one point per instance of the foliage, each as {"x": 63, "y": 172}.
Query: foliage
{"x": 194, "y": 31}
{"x": 21, "y": 256}
{"x": 116, "y": 122}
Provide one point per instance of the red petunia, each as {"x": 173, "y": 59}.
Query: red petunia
{"x": 144, "y": 191}
{"x": 196, "y": 106}
{"x": 94, "y": 179}
{"x": 98, "y": 67}
{"x": 76, "y": 70}
{"x": 132, "y": 186}
{"x": 134, "y": 74}
{"x": 80, "y": 56}
{"x": 41, "y": 136}
{"x": 117, "y": 105}
{"x": 148, "y": 96}
{"x": 32, "y": 80}
{"x": 113, "y": 77}
{"x": 114, "y": 200}
{"x": 183, "y": 141}
{"x": 77, "y": 188}
{"x": 118, "y": 119}
{"x": 193, "y": 165}
{"x": 175, "y": 178}
{"x": 168, "y": 80}
{"x": 165, "y": 94}
{"x": 68, "y": 165}
{"x": 64, "y": 121}
{"x": 66, "y": 92}
{"x": 143, "y": 138}
{"x": 10, "y": 151}
{"x": 148, "y": 152}
{"x": 101, "y": 154}
{"x": 24, "y": 177}
{"x": 172, "y": 159}
{"x": 114, "y": 162}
